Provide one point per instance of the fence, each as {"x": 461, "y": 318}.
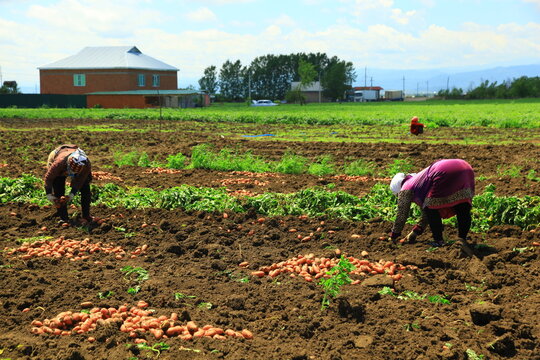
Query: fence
{"x": 42, "y": 100}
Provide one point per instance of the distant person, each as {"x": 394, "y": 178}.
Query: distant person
{"x": 442, "y": 190}
{"x": 416, "y": 126}
{"x": 63, "y": 162}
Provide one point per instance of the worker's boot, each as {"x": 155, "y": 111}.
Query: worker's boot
{"x": 465, "y": 247}
{"x": 62, "y": 213}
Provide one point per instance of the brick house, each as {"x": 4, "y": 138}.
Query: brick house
{"x": 108, "y": 68}
{"x": 118, "y": 77}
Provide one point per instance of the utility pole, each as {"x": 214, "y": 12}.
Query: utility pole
{"x": 447, "y": 82}
{"x": 319, "y": 87}
{"x": 403, "y": 86}
{"x": 160, "y": 117}
{"x": 371, "y": 82}
{"x": 427, "y": 88}
{"x": 365, "y": 76}
{"x": 249, "y": 85}
{"x": 417, "y": 89}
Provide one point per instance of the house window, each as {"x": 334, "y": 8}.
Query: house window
{"x": 141, "y": 80}
{"x": 155, "y": 80}
{"x": 79, "y": 80}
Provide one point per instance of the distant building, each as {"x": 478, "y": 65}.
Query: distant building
{"x": 313, "y": 92}
{"x": 107, "y": 68}
{"x": 117, "y": 77}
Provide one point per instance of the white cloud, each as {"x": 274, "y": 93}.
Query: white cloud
{"x": 272, "y": 30}
{"x": 536, "y": 2}
{"x": 201, "y": 15}
{"x": 401, "y": 17}
{"x": 360, "y": 6}
{"x": 111, "y": 19}
{"x": 284, "y": 20}
{"x": 219, "y": 2}
{"x": 366, "y": 10}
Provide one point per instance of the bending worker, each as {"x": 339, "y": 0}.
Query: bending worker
{"x": 68, "y": 161}
{"x": 416, "y": 126}
{"x": 442, "y": 190}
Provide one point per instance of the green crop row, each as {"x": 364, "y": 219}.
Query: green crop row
{"x": 205, "y": 157}
{"x": 524, "y": 113}
{"x": 488, "y": 210}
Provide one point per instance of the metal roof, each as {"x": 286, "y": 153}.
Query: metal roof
{"x": 109, "y": 57}
{"x": 367, "y": 88}
{"x": 148, "y": 92}
{"x": 313, "y": 86}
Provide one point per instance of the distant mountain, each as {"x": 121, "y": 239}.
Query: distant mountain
{"x": 422, "y": 81}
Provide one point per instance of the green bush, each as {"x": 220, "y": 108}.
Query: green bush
{"x": 322, "y": 167}
{"x": 400, "y": 166}
{"x": 360, "y": 168}
{"x": 177, "y": 161}
{"x": 291, "y": 164}
{"x": 126, "y": 159}
{"x": 202, "y": 157}
{"x": 144, "y": 160}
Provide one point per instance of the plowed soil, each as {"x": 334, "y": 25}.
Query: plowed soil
{"x": 495, "y": 296}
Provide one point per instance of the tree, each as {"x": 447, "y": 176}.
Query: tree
{"x": 231, "y": 80}
{"x": 336, "y": 81}
{"x": 307, "y": 74}
{"x": 10, "y": 87}
{"x": 208, "y": 83}
{"x": 271, "y": 76}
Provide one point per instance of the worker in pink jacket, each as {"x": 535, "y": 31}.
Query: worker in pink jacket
{"x": 68, "y": 161}
{"x": 442, "y": 190}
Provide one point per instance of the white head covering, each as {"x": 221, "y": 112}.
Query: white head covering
{"x": 395, "y": 184}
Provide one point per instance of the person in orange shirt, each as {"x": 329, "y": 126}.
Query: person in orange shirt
{"x": 416, "y": 126}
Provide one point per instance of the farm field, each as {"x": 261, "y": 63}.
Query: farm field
{"x": 251, "y": 278}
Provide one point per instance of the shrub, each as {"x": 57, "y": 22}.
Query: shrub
{"x": 400, "y": 165}
{"x": 177, "y": 161}
{"x": 291, "y": 164}
{"x": 126, "y": 159}
{"x": 322, "y": 167}
{"x": 359, "y": 167}
{"x": 144, "y": 161}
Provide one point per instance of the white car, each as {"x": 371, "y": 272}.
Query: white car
{"x": 263, "y": 103}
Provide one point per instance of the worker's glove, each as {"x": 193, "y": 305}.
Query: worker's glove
{"x": 417, "y": 230}
{"x": 411, "y": 237}
{"x": 52, "y": 198}
{"x": 393, "y": 236}
{"x": 69, "y": 198}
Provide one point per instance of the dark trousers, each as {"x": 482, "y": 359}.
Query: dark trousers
{"x": 463, "y": 213}
{"x": 59, "y": 189}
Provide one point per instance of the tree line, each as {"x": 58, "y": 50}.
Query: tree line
{"x": 523, "y": 87}
{"x": 270, "y": 77}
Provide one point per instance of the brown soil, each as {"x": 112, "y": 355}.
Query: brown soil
{"x": 26, "y": 152}
{"x": 495, "y": 296}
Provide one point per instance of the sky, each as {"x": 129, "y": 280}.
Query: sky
{"x": 194, "y": 34}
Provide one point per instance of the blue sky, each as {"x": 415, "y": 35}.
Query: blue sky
{"x": 194, "y": 34}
